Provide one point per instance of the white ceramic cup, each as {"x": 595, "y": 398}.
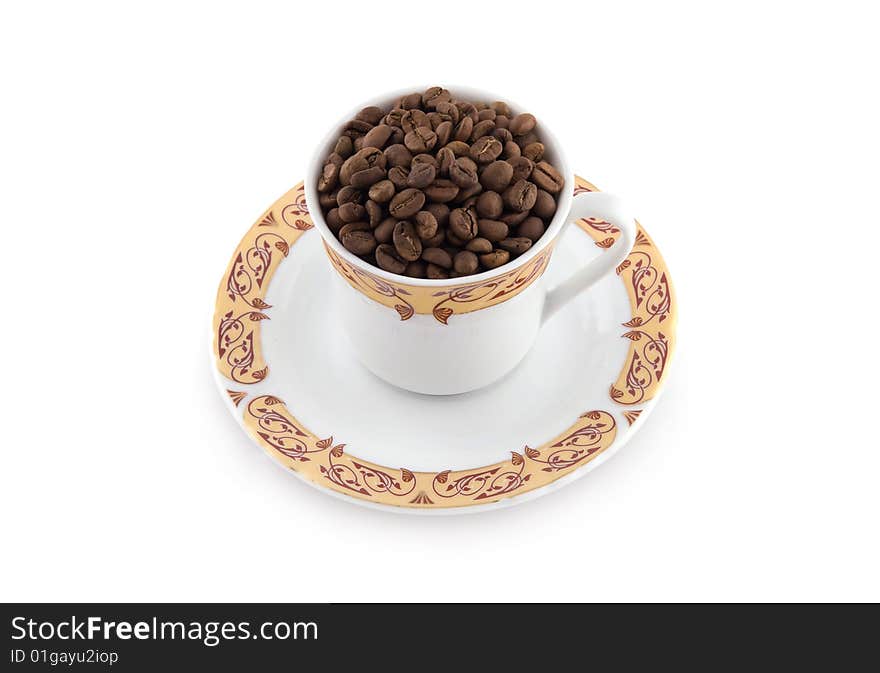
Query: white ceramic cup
{"x": 450, "y": 336}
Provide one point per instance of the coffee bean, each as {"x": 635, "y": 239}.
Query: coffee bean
{"x": 435, "y": 272}
{"x": 371, "y": 115}
{"x": 367, "y": 177}
{"x": 359, "y": 161}
{"x": 382, "y": 191}
{"x": 374, "y": 212}
{"x": 398, "y": 176}
{"x": 487, "y": 114}
{"x": 329, "y": 177}
{"x": 449, "y": 111}
{"x": 444, "y": 133}
{"x": 435, "y": 241}
{"x": 463, "y": 223}
{"x": 522, "y": 124}
{"x": 485, "y": 149}
{"x": 495, "y": 259}
{"x": 490, "y": 205}
{"x": 522, "y": 168}
{"x": 398, "y": 155}
{"x": 479, "y": 245}
{"x": 344, "y": 147}
{"x": 502, "y": 122}
{"x": 357, "y": 127}
{"x": 468, "y": 110}
{"x": 496, "y": 176}
{"x": 354, "y": 226}
{"x": 468, "y": 192}
{"x": 438, "y": 257}
{"x": 416, "y": 269}
{"x": 511, "y": 150}
{"x": 394, "y": 116}
{"x": 515, "y": 246}
{"x": 441, "y": 191}
{"x": 465, "y": 262}
{"x": 525, "y": 140}
{"x": 359, "y": 242}
{"x": 385, "y": 231}
{"x": 413, "y": 119}
{"x": 531, "y": 228}
{"x": 459, "y": 148}
{"x": 358, "y": 144}
{"x": 520, "y": 196}
{"x": 421, "y": 175}
{"x": 351, "y": 212}
{"x": 440, "y": 211}
{"x": 396, "y": 137}
{"x": 426, "y": 225}
{"x": 533, "y": 151}
{"x": 425, "y": 158}
{"x": 420, "y": 139}
{"x": 500, "y": 107}
{"x": 334, "y": 222}
{"x": 411, "y": 101}
{"x": 492, "y": 230}
{"x": 463, "y": 172}
{"x": 407, "y": 203}
{"x": 505, "y": 136}
{"x": 348, "y": 193}
{"x": 328, "y": 199}
{"x": 407, "y": 242}
{"x": 463, "y": 129}
{"x": 378, "y": 136}
{"x": 513, "y": 218}
{"x": 454, "y": 243}
{"x": 434, "y": 95}
{"x": 548, "y": 178}
{"x": 445, "y": 159}
{"x": 545, "y": 205}
{"x": 387, "y": 259}
{"x": 483, "y": 128}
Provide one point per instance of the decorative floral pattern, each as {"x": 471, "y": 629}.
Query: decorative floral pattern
{"x": 652, "y": 326}
{"x": 326, "y": 462}
{"x": 408, "y": 300}
{"x": 240, "y": 305}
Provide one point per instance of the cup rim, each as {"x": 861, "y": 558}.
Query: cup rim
{"x": 323, "y": 148}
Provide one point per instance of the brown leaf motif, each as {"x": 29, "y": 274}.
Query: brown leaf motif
{"x": 405, "y": 311}
{"x": 337, "y": 451}
{"x": 605, "y": 243}
{"x": 325, "y": 443}
{"x": 442, "y": 313}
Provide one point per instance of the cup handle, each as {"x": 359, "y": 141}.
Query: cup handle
{"x": 605, "y": 207}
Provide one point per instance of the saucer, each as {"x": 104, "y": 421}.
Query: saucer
{"x": 290, "y": 377}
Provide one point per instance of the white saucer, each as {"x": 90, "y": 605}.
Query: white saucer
{"x": 291, "y": 379}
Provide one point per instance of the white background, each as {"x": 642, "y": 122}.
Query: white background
{"x": 139, "y": 144}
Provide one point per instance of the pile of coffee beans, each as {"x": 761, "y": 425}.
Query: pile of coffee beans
{"x": 439, "y": 187}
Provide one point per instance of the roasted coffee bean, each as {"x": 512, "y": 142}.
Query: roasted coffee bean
{"x": 445, "y": 159}
{"x": 463, "y": 129}
{"x": 490, "y": 205}
{"x": 497, "y": 176}
{"x": 438, "y": 257}
{"x": 416, "y": 269}
{"x": 371, "y": 115}
{"x": 545, "y": 205}
{"x": 520, "y": 196}
{"x": 479, "y": 245}
{"x": 374, "y": 212}
{"x": 382, "y": 191}
{"x": 351, "y": 212}
{"x": 421, "y": 175}
{"x": 387, "y": 187}
{"x": 463, "y": 223}
{"x": 398, "y": 176}
{"x": 441, "y": 191}
{"x": 333, "y": 220}
{"x": 463, "y": 172}
{"x": 492, "y": 230}
{"x": 387, "y": 259}
{"x": 486, "y": 149}
{"x": 483, "y": 128}
{"x": 548, "y": 178}
{"x": 378, "y": 136}
{"x": 531, "y": 228}
{"x": 444, "y": 133}
{"x": 522, "y": 124}
{"x": 511, "y": 150}
{"x": 440, "y": 211}
{"x": 533, "y": 151}
{"x": 435, "y": 272}
{"x": 367, "y": 177}
{"x": 420, "y": 139}
{"x": 398, "y": 155}
{"x": 407, "y": 242}
{"x": 385, "y": 231}
{"x": 407, "y": 203}
{"x": 513, "y": 219}
{"x": 426, "y": 159}
{"x": 465, "y": 262}
{"x": 359, "y": 242}
{"x": 426, "y": 224}
{"x": 354, "y": 226}
{"x": 434, "y": 95}
{"x": 344, "y": 147}
{"x": 495, "y": 258}
{"x": 515, "y": 246}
